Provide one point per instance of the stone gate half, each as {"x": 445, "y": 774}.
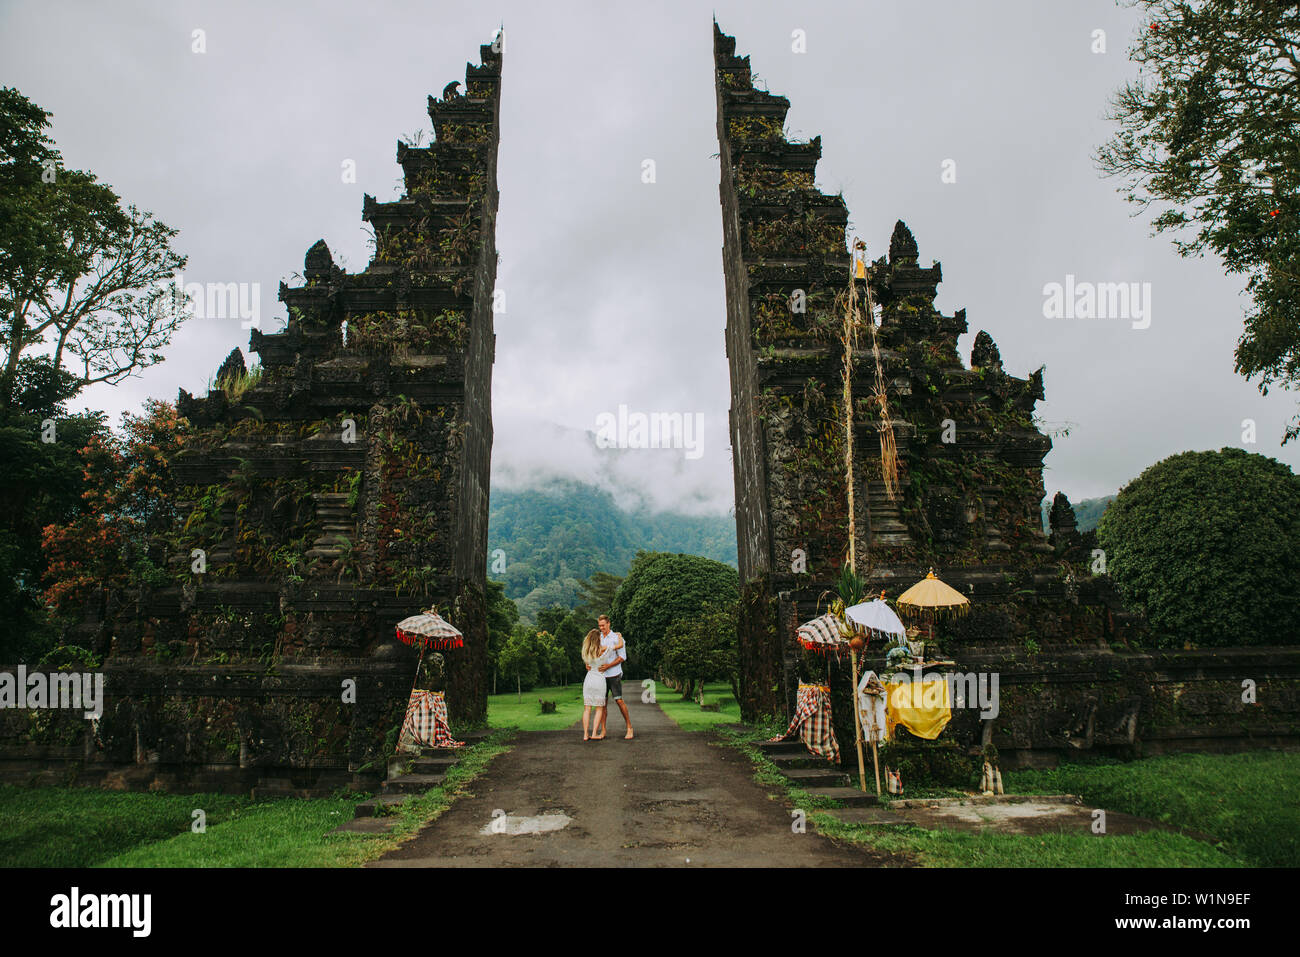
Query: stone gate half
{"x": 970, "y": 481}
{"x": 318, "y": 505}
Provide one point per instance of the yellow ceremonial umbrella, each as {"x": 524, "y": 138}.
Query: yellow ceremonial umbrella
{"x": 931, "y": 598}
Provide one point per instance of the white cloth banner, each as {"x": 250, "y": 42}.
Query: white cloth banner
{"x": 871, "y": 710}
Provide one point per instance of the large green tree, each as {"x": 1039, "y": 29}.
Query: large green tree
{"x": 660, "y": 590}
{"x": 42, "y": 483}
{"x": 1208, "y": 544}
{"x": 81, "y": 279}
{"x": 1208, "y": 136}
{"x": 702, "y": 649}
{"x": 81, "y": 301}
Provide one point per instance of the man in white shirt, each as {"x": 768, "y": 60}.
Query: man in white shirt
{"x": 613, "y": 671}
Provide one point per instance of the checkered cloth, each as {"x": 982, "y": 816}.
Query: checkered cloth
{"x": 821, "y": 635}
{"x": 812, "y": 719}
{"x": 426, "y": 723}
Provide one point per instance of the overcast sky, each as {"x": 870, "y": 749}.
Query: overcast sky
{"x": 614, "y": 289}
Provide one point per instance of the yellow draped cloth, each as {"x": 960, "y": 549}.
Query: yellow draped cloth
{"x": 922, "y": 707}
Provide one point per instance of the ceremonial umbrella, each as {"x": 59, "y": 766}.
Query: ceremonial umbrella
{"x": 876, "y": 616}
{"x": 930, "y": 598}
{"x": 429, "y": 630}
{"x": 822, "y": 635}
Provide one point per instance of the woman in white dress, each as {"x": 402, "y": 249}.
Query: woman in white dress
{"x": 593, "y": 687}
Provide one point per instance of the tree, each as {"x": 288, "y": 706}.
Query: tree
{"x": 552, "y": 661}
{"x": 127, "y": 505}
{"x": 502, "y": 616}
{"x": 78, "y": 274}
{"x": 549, "y": 619}
{"x": 1209, "y": 128}
{"x": 1208, "y": 543}
{"x": 518, "y": 659}
{"x": 660, "y": 590}
{"x": 42, "y": 483}
{"x": 702, "y": 649}
{"x": 597, "y": 594}
{"x": 570, "y": 634}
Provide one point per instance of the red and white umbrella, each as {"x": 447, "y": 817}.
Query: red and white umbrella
{"x": 430, "y": 630}
{"x": 822, "y": 635}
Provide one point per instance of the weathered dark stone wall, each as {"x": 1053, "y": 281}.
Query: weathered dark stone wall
{"x": 343, "y": 491}
{"x": 970, "y": 466}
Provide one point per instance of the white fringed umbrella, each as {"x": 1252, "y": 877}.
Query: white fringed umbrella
{"x": 876, "y": 616}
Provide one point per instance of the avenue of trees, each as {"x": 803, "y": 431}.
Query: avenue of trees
{"x": 676, "y": 612}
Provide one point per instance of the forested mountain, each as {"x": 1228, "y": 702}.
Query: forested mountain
{"x": 543, "y": 540}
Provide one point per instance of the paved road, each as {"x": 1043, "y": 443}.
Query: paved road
{"x": 666, "y": 798}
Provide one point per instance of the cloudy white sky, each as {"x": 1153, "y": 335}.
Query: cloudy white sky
{"x": 614, "y": 290}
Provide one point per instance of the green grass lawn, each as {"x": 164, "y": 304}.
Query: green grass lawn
{"x": 1239, "y": 799}
{"x": 81, "y": 827}
{"x": 508, "y": 711}
{"x": 687, "y": 714}
{"x": 1247, "y": 800}
{"x": 87, "y": 827}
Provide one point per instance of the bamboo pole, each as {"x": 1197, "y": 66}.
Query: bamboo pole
{"x": 857, "y": 724}
{"x": 850, "y": 338}
{"x": 416, "y": 679}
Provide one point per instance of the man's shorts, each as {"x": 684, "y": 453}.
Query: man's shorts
{"x": 614, "y": 686}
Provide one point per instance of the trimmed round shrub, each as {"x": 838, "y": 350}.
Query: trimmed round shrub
{"x": 1208, "y": 544}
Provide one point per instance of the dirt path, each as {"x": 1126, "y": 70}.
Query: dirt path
{"x": 665, "y": 798}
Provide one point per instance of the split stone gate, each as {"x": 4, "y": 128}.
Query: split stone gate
{"x": 318, "y": 505}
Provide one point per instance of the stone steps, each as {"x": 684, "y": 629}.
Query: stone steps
{"x": 412, "y": 772}
{"x": 409, "y": 764}
{"x": 815, "y": 775}
{"x": 851, "y": 797}
{"x": 410, "y": 783}
{"x": 338, "y": 522}
{"x": 770, "y": 748}
{"x": 887, "y": 525}
{"x": 800, "y": 762}
{"x": 376, "y": 805}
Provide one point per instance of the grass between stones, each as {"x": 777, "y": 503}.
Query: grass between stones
{"x": 87, "y": 827}
{"x": 1144, "y": 788}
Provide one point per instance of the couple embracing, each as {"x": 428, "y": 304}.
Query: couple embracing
{"x": 603, "y": 652}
